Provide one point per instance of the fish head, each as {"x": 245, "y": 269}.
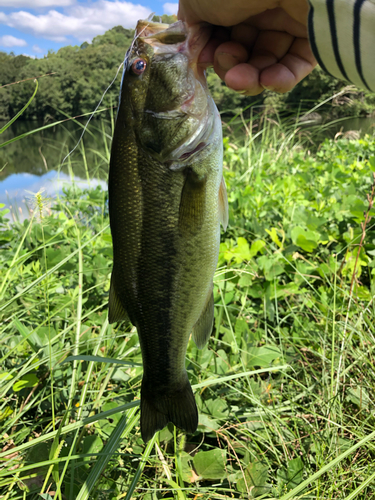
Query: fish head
{"x": 166, "y": 92}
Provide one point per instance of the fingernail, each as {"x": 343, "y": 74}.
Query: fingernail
{"x": 267, "y": 87}
{"x": 226, "y": 61}
{"x": 205, "y": 65}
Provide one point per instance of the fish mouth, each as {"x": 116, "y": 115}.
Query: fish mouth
{"x": 177, "y": 37}
{"x": 147, "y": 28}
{"x": 158, "y": 35}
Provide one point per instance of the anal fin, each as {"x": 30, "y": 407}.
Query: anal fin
{"x": 203, "y": 327}
{"x": 117, "y": 311}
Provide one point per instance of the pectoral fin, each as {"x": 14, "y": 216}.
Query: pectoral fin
{"x": 116, "y": 309}
{"x": 192, "y": 204}
{"x": 203, "y": 327}
{"x": 223, "y": 204}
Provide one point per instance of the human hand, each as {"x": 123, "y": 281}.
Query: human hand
{"x": 255, "y": 44}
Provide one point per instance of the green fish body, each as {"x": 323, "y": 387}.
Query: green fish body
{"x": 166, "y": 200}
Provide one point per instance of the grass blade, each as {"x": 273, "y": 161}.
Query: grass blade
{"x": 123, "y": 428}
{"x": 52, "y": 270}
{"x": 7, "y": 125}
{"x": 326, "y": 468}
{"x": 220, "y": 380}
{"x": 72, "y": 427}
{"x": 100, "y": 359}
{"x": 140, "y": 468}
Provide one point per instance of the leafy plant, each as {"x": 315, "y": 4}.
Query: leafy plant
{"x": 284, "y": 386}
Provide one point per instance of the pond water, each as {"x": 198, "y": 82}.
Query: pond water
{"x": 37, "y": 160}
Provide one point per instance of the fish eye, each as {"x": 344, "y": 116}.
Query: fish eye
{"x": 139, "y": 66}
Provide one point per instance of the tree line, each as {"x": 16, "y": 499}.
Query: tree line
{"x": 82, "y": 73}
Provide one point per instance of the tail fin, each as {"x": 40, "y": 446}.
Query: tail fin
{"x": 157, "y": 410}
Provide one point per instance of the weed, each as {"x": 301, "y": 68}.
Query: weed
{"x": 285, "y": 386}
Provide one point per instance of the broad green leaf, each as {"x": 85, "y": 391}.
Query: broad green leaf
{"x": 291, "y": 476}
{"x": 240, "y": 252}
{"x": 278, "y": 291}
{"x": 241, "y": 328}
{"x": 166, "y": 434}
{"x": 217, "y": 408}
{"x": 210, "y": 464}
{"x": 5, "y": 413}
{"x": 256, "y": 291}
{"x": 271, "y": 267}
{"x": 306, "y": 239}
{"x": 274, "y": 236}
{"x": 28, "y": 380}
{"x": 359, "y": 396}
{"x": 188, "y": 473}
{"x": 245, "y": 280}
{"x": 256, "y": 247}
{"x": 255, "y": 480}
{"x": 92, "y": 445}
{"x": 207, "y": 424}
{"x": 353, "y": 261}
{"x": 263, "y": 356}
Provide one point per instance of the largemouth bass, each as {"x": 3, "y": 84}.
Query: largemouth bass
{"x": 166, "y": 200}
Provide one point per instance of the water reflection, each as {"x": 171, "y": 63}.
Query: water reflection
{"x": 44, "y": 150}
{"x": 35, "y": 162}
{"x": 20, "y": 189}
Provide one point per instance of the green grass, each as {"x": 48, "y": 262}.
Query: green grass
{"x": 285, "y": 386}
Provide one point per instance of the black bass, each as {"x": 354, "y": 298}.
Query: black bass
{"x": 166, "y": 200}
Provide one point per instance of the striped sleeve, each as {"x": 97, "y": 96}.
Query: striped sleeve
{"x": 342, "y": 38}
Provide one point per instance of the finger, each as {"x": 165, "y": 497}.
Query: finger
{"x": 278, "y": 20}
{"x": 291, "y": 69}
{"x": 245, "y": 35}
{"x": 269, "y": 48}
{"x": 228, "y": 55}
{"x": 298, "y": 10}
{"x": 206, "y": 57}
{"x": 219, "y": 35}
{"x": 244, "y": 78}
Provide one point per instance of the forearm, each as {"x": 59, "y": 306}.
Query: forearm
{"x": 342, "y": 38}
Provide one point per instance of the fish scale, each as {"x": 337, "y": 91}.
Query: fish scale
{"x": 166, "y": 199}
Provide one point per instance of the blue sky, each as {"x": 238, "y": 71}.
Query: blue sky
{"x": 32, "y": 27}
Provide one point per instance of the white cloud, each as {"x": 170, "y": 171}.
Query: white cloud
{"x": 37, "y": 49}
{"x": 34, "y": 4}
{"x": 29, "y": 55}
{"x": 80, "y": 21}
{"x": 12, "y": 41}
{"x": 169, "y": 8}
